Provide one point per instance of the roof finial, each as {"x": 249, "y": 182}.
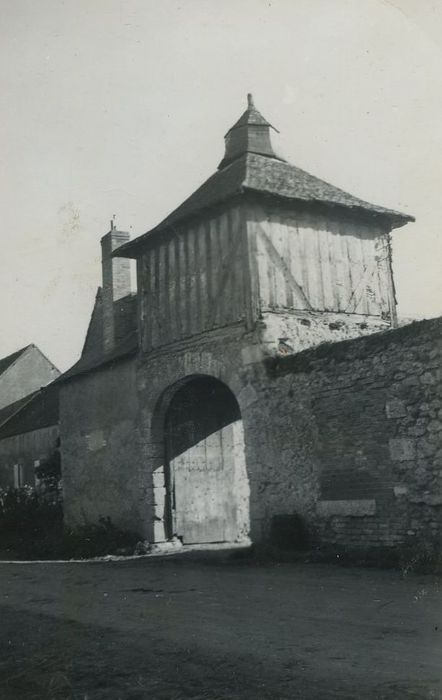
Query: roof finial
{"x": 250, "y": 103}
{"x": 112, "y": 223}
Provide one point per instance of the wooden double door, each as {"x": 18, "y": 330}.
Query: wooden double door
{"x": 206, "y": 479}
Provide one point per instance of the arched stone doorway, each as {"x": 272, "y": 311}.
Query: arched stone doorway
{"x": 206, "y": 483}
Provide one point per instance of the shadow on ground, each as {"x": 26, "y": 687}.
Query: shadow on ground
{"x": 176, "y": 630}
{"x": 43, "y": 657}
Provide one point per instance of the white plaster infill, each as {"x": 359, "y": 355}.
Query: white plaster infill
{"x": 356, "y": 507}
{"x": 159, "y": 550}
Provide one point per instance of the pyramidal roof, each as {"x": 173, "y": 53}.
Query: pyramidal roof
{"x": 250, "y": 164}
{"x": 250, "y": 117}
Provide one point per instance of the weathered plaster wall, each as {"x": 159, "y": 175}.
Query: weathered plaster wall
{"x": 364, "y": 418}
{"x": 31, "y": 371}
{"x": 103, "y": 474}
{"x": 112, "y": 427}
{"x": 298, "y": 330}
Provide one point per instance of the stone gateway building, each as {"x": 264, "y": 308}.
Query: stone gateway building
{"x": 256, "y": 372}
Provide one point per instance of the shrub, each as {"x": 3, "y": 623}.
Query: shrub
{"x": 49, "y": 475}
{"x": 26, "y": 518}
{"x": 25, "y": 509}
{"x": 31, "y": 527}
{"x": 97, "y": 540}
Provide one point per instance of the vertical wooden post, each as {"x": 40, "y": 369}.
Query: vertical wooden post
{"x": 391, "y": 288}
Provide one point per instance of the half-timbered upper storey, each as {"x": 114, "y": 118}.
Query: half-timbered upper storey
{"x": 261, "y": 237}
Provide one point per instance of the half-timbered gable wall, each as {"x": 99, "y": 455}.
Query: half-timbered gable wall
{"x": 193, "y": 281}
{"x": 319, "y": 262}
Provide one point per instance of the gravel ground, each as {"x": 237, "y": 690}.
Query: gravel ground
{"x": 181, "y": 627}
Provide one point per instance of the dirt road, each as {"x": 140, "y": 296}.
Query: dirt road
{"x": 167, "y": 629}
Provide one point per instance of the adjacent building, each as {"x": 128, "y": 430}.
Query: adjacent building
{"x": 24, "y": 372}
{"x": 29, "y": 437}
{"x": 29, "y": 431}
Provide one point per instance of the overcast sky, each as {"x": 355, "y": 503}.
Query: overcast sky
{"x": 120, "y": 107}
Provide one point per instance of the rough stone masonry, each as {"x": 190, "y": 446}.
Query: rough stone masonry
{"x": 374, "y": 407}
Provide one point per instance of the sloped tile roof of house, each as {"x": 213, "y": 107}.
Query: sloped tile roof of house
{"x": 7, "y": 411}
{"x": 33, "y": 412}
{"x": 251, "y": 165}
{"x": 9, "y": 360}
{"x": 126, "y": 337}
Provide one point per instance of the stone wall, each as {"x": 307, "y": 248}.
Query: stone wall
{"x": 102, "y": 472}
{"x": 346, "y": 435}
{"x": 112, "y": 428}
{"x": 359, "y": 430}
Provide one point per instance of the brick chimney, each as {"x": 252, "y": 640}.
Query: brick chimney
{"x": 116, "y": 281}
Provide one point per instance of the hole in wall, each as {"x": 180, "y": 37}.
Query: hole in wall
{"x": 335, "y": 325}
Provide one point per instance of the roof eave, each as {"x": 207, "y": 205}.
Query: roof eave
{"x": 395, "y": 218}
{"x": 72, "y": 374}
{"x": 27, "y": 400}
{"x": 131, "y": 249}
{"x": 225, "y": 162}
{"x": 399, "y": 219}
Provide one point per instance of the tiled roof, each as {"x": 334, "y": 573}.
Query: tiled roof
{"x": 88, "y": 363}
{"x": 6, "y": 362}
{"x": 125, "y": 316}
{"x": 250, "y": 117}
{"x": 7, "y": 411}
{"x": 285, "y": 180}
{"x": 94, "y": 335}
{"x": 126, "y": 337}
{"x": 36, "y": 411}
{"x": 222, "y": 185}
{"x": 263, "y": 175}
